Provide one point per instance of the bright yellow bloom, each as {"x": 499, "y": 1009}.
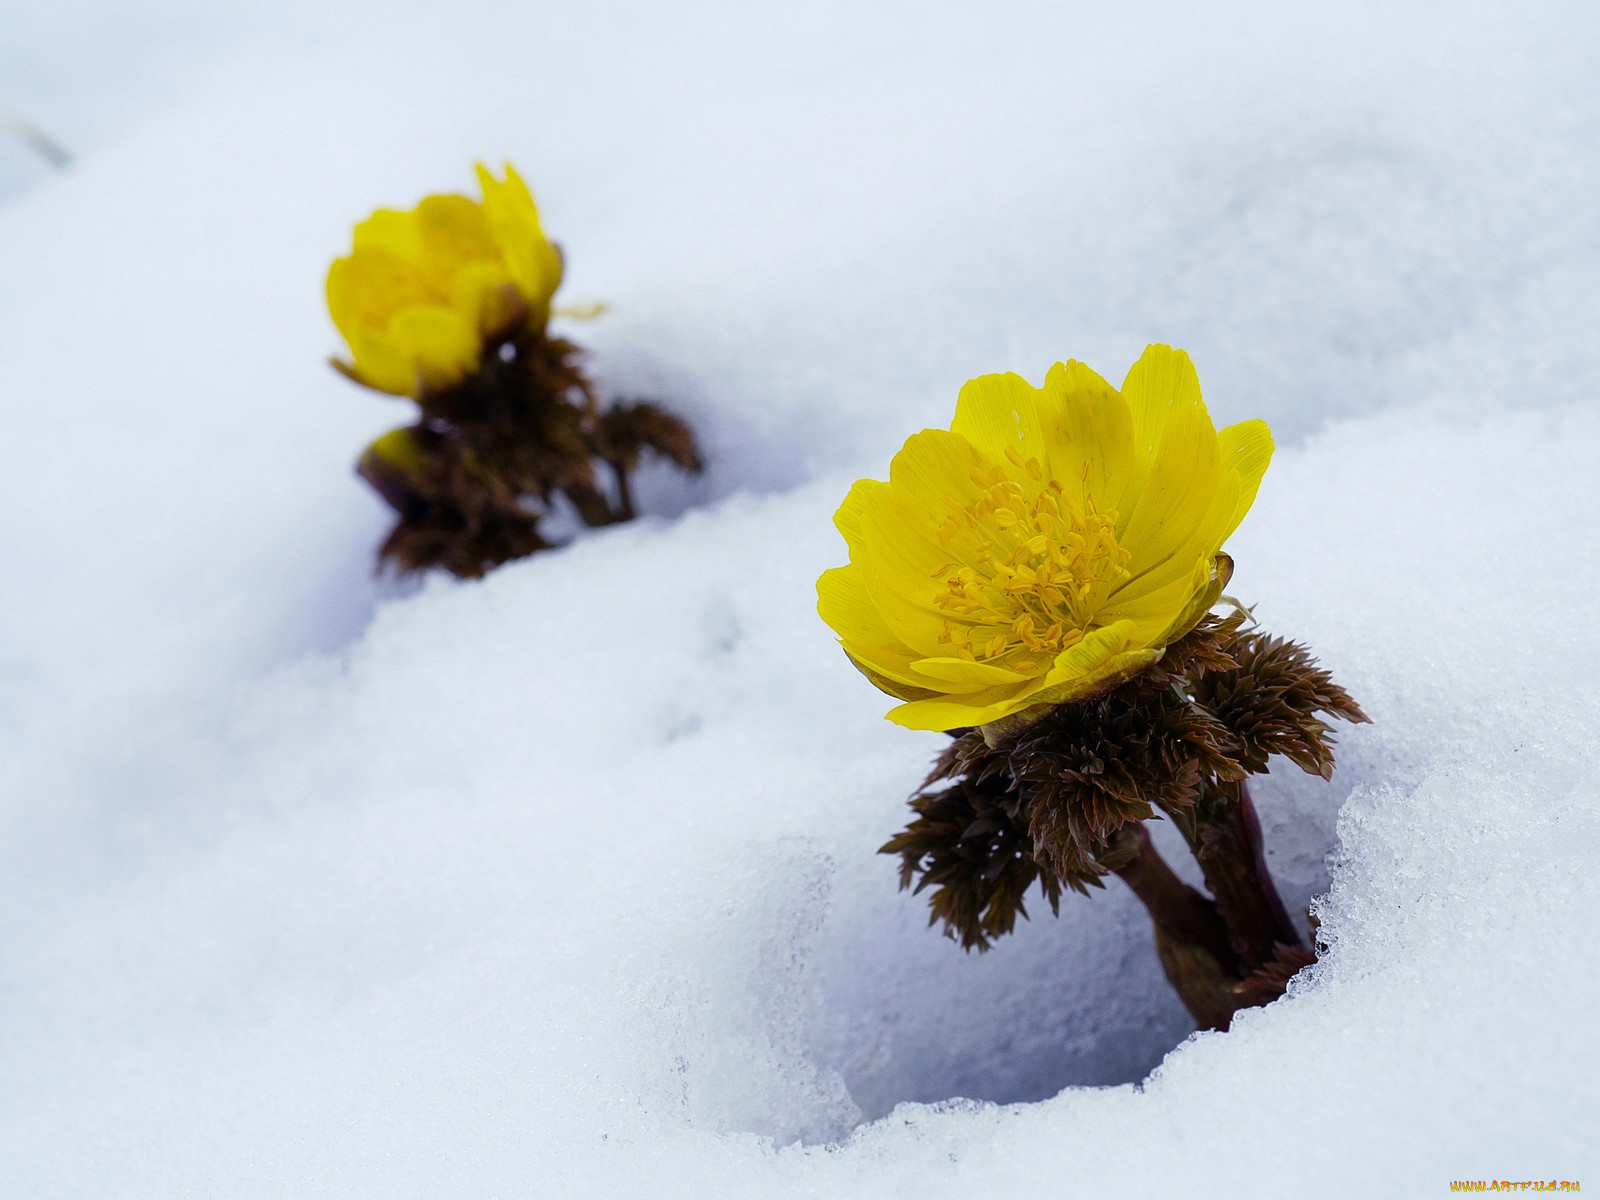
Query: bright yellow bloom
{"x": 421, "y": 290}
{"x": 1050, "y": 544}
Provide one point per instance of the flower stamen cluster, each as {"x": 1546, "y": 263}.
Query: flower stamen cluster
{"x": 1031, "y": 563}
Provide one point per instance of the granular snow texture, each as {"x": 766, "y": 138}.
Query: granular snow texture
{"x": 564, "y": 883}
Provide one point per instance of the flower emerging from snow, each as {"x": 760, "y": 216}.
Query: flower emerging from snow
{"x": 1050, "y": 544}
{"x": 421, "y": 292}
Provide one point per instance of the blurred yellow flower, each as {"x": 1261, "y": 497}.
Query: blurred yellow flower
{"x": 422, "y": 291}
{"x": 1050, "y": 544}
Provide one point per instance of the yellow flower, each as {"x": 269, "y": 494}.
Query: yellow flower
{"x": 421, "y": 291}
{"x": 1050, "y": 544}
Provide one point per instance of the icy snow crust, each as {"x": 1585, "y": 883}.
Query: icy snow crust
{"x": 563, "y": 883}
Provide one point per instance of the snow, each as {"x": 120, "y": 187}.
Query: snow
{"x": 563, "y": 883}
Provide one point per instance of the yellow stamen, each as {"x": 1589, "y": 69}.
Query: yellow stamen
{"x": 1031, "y": 567}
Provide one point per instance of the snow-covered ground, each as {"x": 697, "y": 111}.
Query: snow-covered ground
{"x": 563, "y": 883}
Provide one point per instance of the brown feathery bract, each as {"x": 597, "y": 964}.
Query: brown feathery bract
{"x": 495, "y": 450}
{"x": 1057, "y": 791}
{"x": 1271, "y": 980}
{"x": 436, "y": 526}
{"x": 630, "y": 429}
{"x": 1272, "y": 703}
{"x": 1088, "y": 769}
{"x": 968, "y": 846}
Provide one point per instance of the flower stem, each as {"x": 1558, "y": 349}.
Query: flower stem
{"x": 1191, "y": 939}
{"x": 1226, "y": 840}
{"x": 625, "y": 511}
{"x": 592, "y": 505}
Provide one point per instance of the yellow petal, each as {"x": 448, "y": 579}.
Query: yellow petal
{"x": 1205, "y": 535}
{"x": 1151, "y": 605}
{"x": 1080, "y": 661}
{"x": 1220, "y": 570}
{"x": 369, "y": 286}
{"x": 1179, "y": 490}
{"x": 1075, "y": 673}
{"x": 935, "y": 468}
{"x": 898, "y": 522}
{"x": 961, "y": 675}
{"x": 1088, "y": 429}
{"x": 398, "y": 447}
{"x": 392, "y": 232}
{"x": 534, "y": 262}
{"x": 440, "y": 342}
{"x": 892, "y": 687}
{"x": 1164, "y": 614}
{"x": 908, "y": 619}
{"x": 905, "y": 569}
{"x": 1161, "y": 383}
{"x": 940, "y": 712}
{"x": 451, "y": 217}
{"x": 1247, "y": 451}
{"x": 344, "y": 298}
{"x": 454, "y": 231}
{"x": 999, "y": 412}
{"x": 379, "y": 365}
{"x": 1116, "y": 670}
{"x": 848, "y": 518}
{"x": 842, "y": 602}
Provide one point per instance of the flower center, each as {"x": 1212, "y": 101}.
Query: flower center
{"x": 1031, "y": 565}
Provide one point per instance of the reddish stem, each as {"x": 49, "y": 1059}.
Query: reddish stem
{"x": 1226, "y": 840}
{"x": 1191, "y": 939}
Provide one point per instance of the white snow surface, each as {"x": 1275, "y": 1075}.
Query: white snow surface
{"x": 563, "y": 883}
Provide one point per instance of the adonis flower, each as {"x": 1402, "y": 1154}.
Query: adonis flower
{"x": 1037, "y": 580}
{"x": 422, "y": 292}
{"x": 1050, "y": 544}
{"x": 449, "y": 304}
